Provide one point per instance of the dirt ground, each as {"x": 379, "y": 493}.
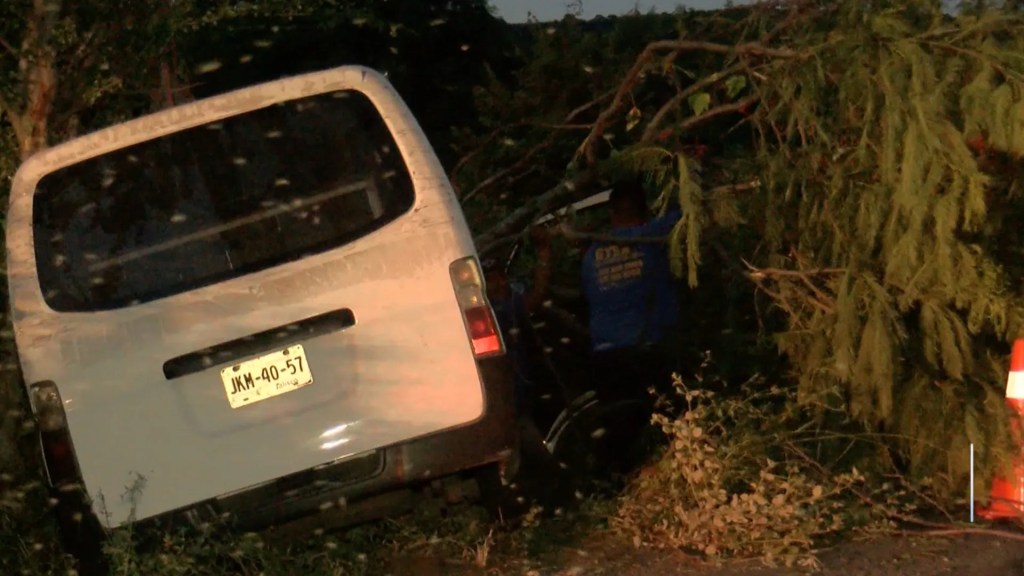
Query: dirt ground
{"x": 605, "y": 555}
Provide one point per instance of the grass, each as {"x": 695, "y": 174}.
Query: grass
{"x": 465, "y": 536}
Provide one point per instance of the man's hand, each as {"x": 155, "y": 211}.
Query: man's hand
{"x": 540, "y": 237}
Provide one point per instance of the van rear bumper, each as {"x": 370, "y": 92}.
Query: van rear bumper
{"x": 369, "y": 486}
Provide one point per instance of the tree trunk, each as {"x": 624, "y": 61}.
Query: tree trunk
{"x": 31, "y": 129}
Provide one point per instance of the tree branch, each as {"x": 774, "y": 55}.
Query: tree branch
{"x": 567, "y": 124}
{"x": 572, "y": 234}
{"x": 718, "y": 111}
{"x": 507, "y": 232}
{"x": 7, "y": 46}
{"x": 473, "y": 153}
{"x": 581, "y": 109}
{"x": 524, "y": 161}
{"x": 748, "y": 48}
{"x": 817, "y": 299}
{"x": 588, "y": 147}
{"x": 679, "y": 98}
{"x": 519, "y": 219}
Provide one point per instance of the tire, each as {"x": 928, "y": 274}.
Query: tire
{"x": 535, "y": 479}
{"x": 81, "y": 533}
{"x": 600, "y": 442}
{"x": 495, "y": 497}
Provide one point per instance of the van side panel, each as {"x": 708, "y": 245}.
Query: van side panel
{"x": 403, "y": 369}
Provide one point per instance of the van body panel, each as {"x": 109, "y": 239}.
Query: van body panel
{"x": 402, "y": 370}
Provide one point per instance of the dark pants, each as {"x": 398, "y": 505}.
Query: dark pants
{"x": 627, "y": 374}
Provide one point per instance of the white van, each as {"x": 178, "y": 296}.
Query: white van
{"x": 263, "y": 304}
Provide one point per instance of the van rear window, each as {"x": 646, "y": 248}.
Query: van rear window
{"x": 218, "y": 201}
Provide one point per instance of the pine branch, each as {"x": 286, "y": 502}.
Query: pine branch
{"x": 983, "y": 58}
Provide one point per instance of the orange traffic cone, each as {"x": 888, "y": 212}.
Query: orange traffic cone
{"x": 1007, "y": 499}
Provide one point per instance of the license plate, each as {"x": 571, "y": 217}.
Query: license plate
{"x": 267, "y": 376}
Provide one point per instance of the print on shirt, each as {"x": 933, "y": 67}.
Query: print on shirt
{"x": 617, "y": 264}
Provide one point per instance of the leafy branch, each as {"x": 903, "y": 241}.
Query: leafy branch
{"x": 588, "y": 148}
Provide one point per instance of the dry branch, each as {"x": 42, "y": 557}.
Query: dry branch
{"x": 817, "y": 298}
{"x": 935, "y": 528}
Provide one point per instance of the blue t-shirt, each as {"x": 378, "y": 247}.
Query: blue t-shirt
{"x": 629, "y": 287}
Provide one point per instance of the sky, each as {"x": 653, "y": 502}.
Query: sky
{"x": 516, "y": 10}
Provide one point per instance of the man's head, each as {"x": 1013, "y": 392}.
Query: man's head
{"x": 627, "y": 203}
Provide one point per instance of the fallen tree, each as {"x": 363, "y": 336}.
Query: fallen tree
{"x": 887, "y": 138}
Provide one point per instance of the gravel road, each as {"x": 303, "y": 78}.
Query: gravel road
{"x": 606, "y": 555}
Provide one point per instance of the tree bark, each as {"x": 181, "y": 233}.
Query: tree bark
{"x": 38, "y": 71}
{"x": 31, "y": 124}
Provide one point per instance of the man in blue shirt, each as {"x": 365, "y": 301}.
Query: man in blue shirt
{"x": 633, "y": 311}
{"x": 514, "y": 304}
{"x": 632, "y": 298}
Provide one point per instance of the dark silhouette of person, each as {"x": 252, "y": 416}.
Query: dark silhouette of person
{"x": 632, "y": 303}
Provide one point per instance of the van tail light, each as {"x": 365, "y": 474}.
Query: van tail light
{"x": 470, "y": 292}
{"x": 58, "y": 451}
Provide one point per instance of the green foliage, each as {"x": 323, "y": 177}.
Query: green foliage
{"x": 864, "y": 146}
{"x": 700, "y": 102}
{"x": 885, "y": 139}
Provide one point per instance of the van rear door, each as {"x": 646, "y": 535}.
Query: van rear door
{"x": 241, "y": 288}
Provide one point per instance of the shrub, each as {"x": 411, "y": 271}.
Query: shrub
{"x": 734, "y": 480}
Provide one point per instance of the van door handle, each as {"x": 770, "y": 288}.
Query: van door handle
{"x": 280, "y": 337}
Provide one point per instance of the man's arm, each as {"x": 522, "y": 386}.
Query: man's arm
{"x": 538, "y": 292}
{"x": 662, "y": 225}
